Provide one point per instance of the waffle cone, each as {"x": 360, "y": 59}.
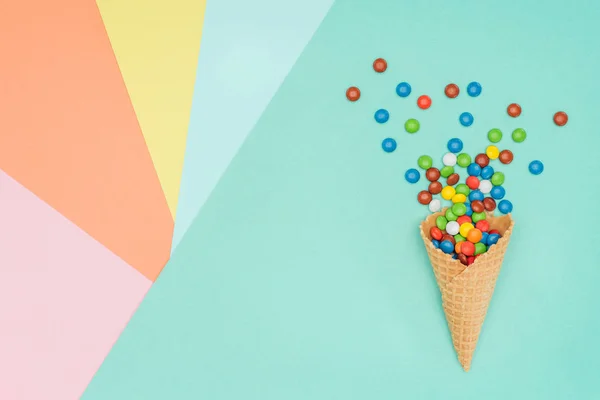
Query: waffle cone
{"x": 467, "y": 291}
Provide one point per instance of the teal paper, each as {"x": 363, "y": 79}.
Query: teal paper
{"x": 304, "y": 277}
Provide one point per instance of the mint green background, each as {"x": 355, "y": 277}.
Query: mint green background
{"x": 303, "y": 277}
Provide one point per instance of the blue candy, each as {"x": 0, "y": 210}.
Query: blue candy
{"x": 484, "y": 237}
{"x": 436, "y": 243}
{"x": 505, "y": 206}
{"x": 447, "y": 246}
{"x": 454, "y": 256}
{"x": 474, "y": 169}
{"x": 388, "y": 145}
{"x": 469, "y": 209}
{"x": 487, "y": 172}
{"x": 497, "y": 192}
{"x": 382, "y": 115}
{"x": 474, "y": 89}
{"x": 466, "y": 119}
{"x": 403, "y": 89}
{"x": 536, "y": 167}
{"x": 412, "y": 175}
{"x": 455, "y": 145}
{"x": 493, "y": 239}
{"x": 476, "y": 195}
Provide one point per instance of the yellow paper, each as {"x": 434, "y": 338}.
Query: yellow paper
{"x": 156, "y": 43}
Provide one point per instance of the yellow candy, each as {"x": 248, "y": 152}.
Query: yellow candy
{"x": 459, "y": 198}
{"x": 448, "y": 192}
{"x": 465, "y": 229}
{"x": 492, "y": 152}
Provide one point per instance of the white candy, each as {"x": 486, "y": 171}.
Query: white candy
{"x": 452, "y": 228}
{"x": 449, "y": 159}
{"x": 435, "y": 205}
{"x": 485, "y": 186}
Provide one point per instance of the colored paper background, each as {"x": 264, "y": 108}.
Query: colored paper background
{"x": 156, "y": 43}
{"x": 304, "y": 276}
{"x": 64, "y": 299}
{"x": 248, "y": 47}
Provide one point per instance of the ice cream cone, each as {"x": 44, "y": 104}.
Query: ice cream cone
{"x": 467, "y": 291}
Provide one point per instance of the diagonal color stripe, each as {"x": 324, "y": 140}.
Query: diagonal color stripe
{"x": 248, "y": 47}
{"x": 64, "y": 299}
{"x": 69, "y": 134}
{"x": 156, "y": 43}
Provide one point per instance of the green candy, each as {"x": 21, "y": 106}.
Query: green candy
{"x": 480, "y": 248}
{"x": 519, "y": 135}
{"x": 463, "y": 160}
{"x": 450, "y": 216}
{"x": 476, "y": 217}
{"x": 461, "y": 188}
{"x": 412, "y": 125}
{"x": 495, "y": 135}
{"x": 441, "y": 222}
{"x": 459, "y": 238}
{"x": 425, "y": 162}
{"x": 447, "y": 171}
{"x": 497, "y": 178}
{"x": 459, "y": 209}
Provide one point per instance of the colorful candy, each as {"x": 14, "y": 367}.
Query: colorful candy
{"x": 465, "y": 229}
{"x": 412, "y": 175}
{"x": 474, "y": 235}
{"x": 403, "y": 89}
{"x": 493, "y": 238}
{"x": 561, "y": 118}
{"x": 497, "y": 192}
{"x": 424, "y": 102}
{"x": 425, "y": 162}
{"x": 480, "y": 248}
{"x": 435, "y": 187}
{"x": 514, "y": 110}
{"x": 466, "y": 119}
{"x": 474, "y": 89}
{"x": 435, "y": 233}
{"x": 536, "y": 167}
{"x": 459, "y": 198}
{"x": 476, "y": 195}
{"x": 495, "y": 135}
{"x": 382, "y": 116}
{"x": 505, "y": 206}
{"x": 449, "y": 159}
{"x": 477, "y": 206}
{"x": 472, "y": 182}
{"x": 476, "y": 217}
{"x": 497, "y": 178}
{"x": 487, "y": 172}
{"x": 474, "y": 169}
{"x": 467, "y": 248}
{"x": 489, "y": 204}
{"x": 446, "y": 246}
{"x": 452, "y": 228}
{"x": 432, "y": 174}
{"x": 463, "y": 160}
{"x": 461, "y": 188}
{"x": 451, "y": 90}
{"x": 455, "y": 145}
{"x": 519, "y": 135}
{"x": 388, "y": 145}
{"x": 453, "y": 179}
{"x": 450, "y": 216}
{"x": 492, "y": 152}
{"x": 506, "y": 156}
{"x": 412, "y": 125}
{"x": 353, "y": 93}
{"x": 448, "y": 192}
{"x": 441, "y": 222}
{"x": 459, "y": 209}
{"x": 446, "y": 171}
{"x": 485, "y": 186}
{"x": 463, "y": 219}
{"x": 380, "y": 65}
{"x": 482, "y": 160}
{"x": 483, "y": 226}
{"x": 424, "y": 197}
{"x": 435, "y": 205}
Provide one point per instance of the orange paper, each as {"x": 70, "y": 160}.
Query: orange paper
{"x": 68, "y": 131}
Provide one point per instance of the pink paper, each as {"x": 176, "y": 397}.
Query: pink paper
{"x": 64, "y": 300}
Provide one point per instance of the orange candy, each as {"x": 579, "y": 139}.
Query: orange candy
{"x": 474, "y": 235}
{"x": 458, "y": 247}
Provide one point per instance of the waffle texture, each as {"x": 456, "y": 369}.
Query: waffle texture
{"x": 467, "y": 291}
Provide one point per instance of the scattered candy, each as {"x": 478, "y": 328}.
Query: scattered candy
{"x": 477, "y": 206}
{"x": 388, "y": 145}
{"x": 448, "y": 192}
{"x": 487, "y": 172}
{"x": 435, "y": 187}
{"x": 497, "y": 178}
{"x": 412, "y": 125}
{"x": 424, "y": 102}
{"x": 514, "y": 110}
{"x": 505, "y": 206}
{"x": 455, "y": 145}
{"x": 464, "y": 219}
{"x": 497, "y": 192}
{"x": 476, "y": 217}
{"x": 469, "y": 210}
{"x": 451, "y": 90}
{"x": 446, "y": 171}
{"x": 492, "y": 152}
{"x": 476, "y": 195}
{"x": 450, "y": 216}
{"x": 449, "y": 238}
{"x": 424, "y": 197}
{"x": 495, "y": 135}
{"x": 459, "y": 198}
{"x": 482, "y": 160}
{"x": 432, "y": 174}
{"x": 489, "y": 204}
{"x": 382, "y": 116}
{"x": 412, "y": 175}
{"x": 435, "y": 205}
{"x": 466, "y": 119}
{"x": 536, "y": 167}
{"x": 561, "y": 118}
{"x": 483, "y": 226}
{"x": 425, "y": 162}
{"x": 452, "y": 228}
{"x": 453, "y": 179}
{"x": 519, "y": 135}
{"x": 506, "y": 156}
{"x": 353, "y": 93}
{"x": 463, "y": 160}
{"x": 472, "y": 182}
{"x": 449, "y": 159}
{"x": 403, "y": 89}
{"x": 485, "y": 186}
{"x": 380, "y": 65}
{"x": 474, "y": 89}
{"x": 461, "y": 188}
{"x": 474, "y": 169}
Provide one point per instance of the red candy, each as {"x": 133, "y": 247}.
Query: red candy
{"x": 424, "y": 102}
{"x": 436, "y": 233}
{"x": 482, "y": 160}
{"x": 449, "y": 238}
{"x": 468, "y": 248}
{"x": 435, "y": 187}
{"x": 470, "y": 260}
{"x": 462, "y": 258}
{"x": 380, "y": 65}
{"x": 561, "y": 118}
{"x": 506, "y": 156}
{"x": 488, "y": 203}
{"x": 477, "y": 206}
{"x": 451, "y": 90}
{"x": 432, "y": 174}
{"x": 494, "y": 231}
{"x": 353, "y": 93}
{"x": 472, "y": 182}
{"x": 424, "y": 197}
{"x": 453, "y": 179}
{"x": 463, "y": 219}
{"x": 482, "y": 225}
{"x": 514, "y": 110}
